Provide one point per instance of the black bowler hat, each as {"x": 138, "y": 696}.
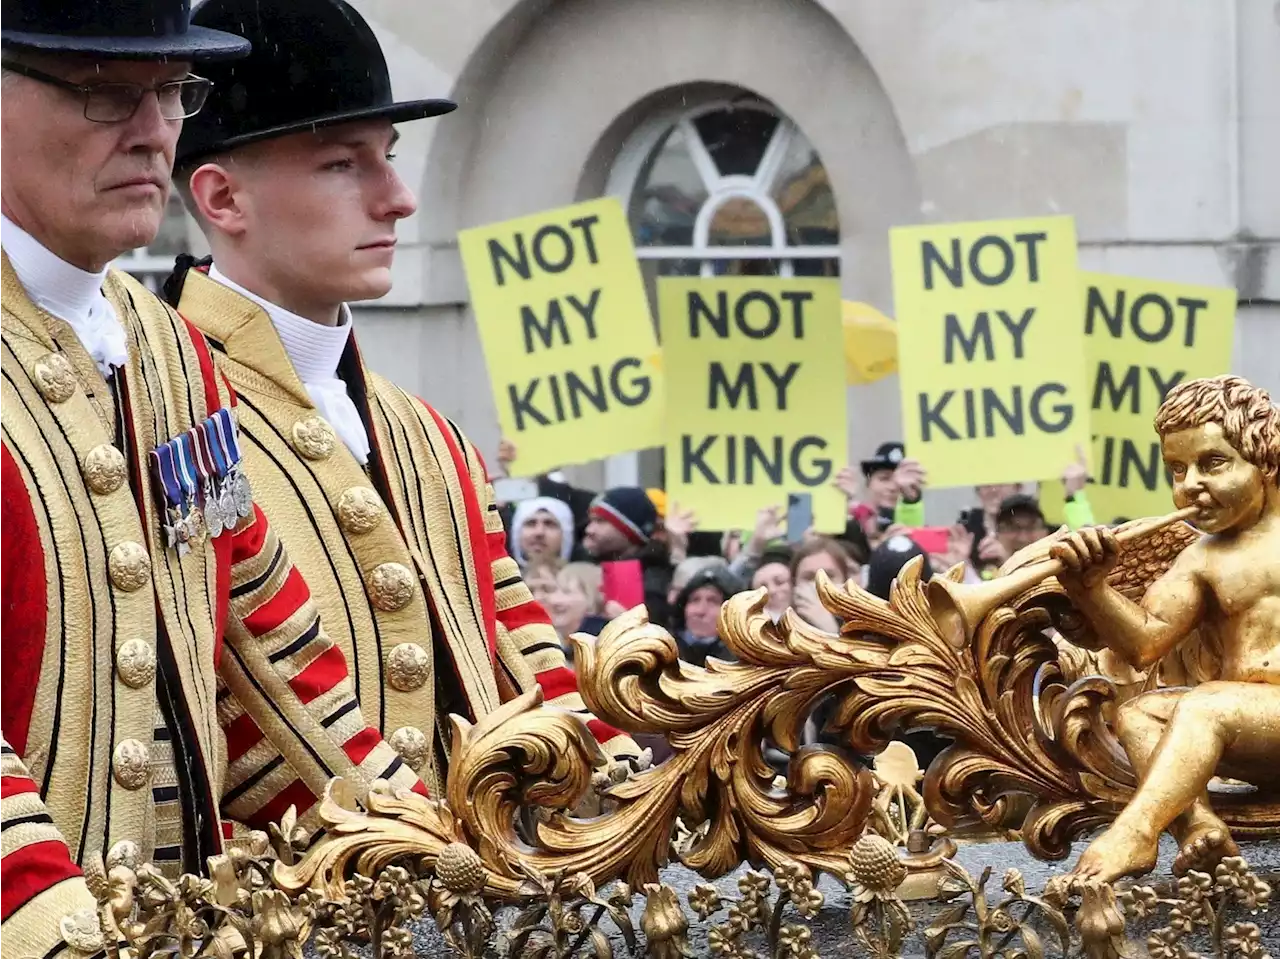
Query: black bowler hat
{"x": 888, "y": 456}
{"x": 315, "y": 63}
{"x": 114, "y": 30}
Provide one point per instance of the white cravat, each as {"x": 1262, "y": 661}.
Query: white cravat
{"x": 70, "y": 294}
{"x": 315, "y": 351}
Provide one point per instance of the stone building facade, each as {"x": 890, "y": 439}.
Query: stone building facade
{"x": 790, "y": 135}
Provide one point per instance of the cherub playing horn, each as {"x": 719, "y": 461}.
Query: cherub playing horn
{"x": 1220, "y": 439}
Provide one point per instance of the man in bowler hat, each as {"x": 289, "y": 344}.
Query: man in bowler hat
{"x": 140, "y": 667}
{"x": 290, "y": 172}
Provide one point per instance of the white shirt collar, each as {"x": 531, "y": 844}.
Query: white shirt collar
{"x": 69, "y": 293}
{"x": 315, "y": 351}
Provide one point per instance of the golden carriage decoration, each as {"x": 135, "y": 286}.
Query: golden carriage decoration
{"x": 1028, "y": 712}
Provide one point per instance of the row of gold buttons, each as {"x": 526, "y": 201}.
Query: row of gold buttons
{"x": 390, "y": 585}
{"x": 128, "y": 564}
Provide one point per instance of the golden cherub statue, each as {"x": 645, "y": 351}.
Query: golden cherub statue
{"x": 1220, "y": 439}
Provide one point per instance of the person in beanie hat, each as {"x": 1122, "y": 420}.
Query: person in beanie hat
{"x": 621, "y": 522}
{"x": 290, "y": 173}
{"x": 133, "y": 655}
{"x": 620, "y": 526}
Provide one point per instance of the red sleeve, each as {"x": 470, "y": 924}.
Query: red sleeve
{"x": 24, "y": 610}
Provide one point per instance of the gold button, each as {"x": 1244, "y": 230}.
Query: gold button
{"x": 104, "y": 469}
{"x": 82, "y": 931}
{"x": 359, "y": 510}
{"x": 136, "y": 663}
{"x": 408, "y": 667}
{"x": 391, "y": 586}
{"x": 55, "y": 379}
{"x": 129, "y": 566}
{"x": 124, "y": 853}
{"x": 411, "y": 743}
{"x": 131, "y": 764}
{"x": 314, "y": 438}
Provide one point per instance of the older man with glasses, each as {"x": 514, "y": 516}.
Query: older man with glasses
{"x": 165, "y": 671}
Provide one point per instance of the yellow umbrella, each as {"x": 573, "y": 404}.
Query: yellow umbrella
{"x": 870, "y": 343}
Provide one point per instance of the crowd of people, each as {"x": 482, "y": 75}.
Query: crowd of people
{"x": 565, "y": 538}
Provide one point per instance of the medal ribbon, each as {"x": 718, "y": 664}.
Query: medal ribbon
{"x": 213, "y": 443}
{"x": 227, "y": 437}
{"x": 203, "y": 462}
{"x": 166, "y": 470}
{"x": 186, "y": 471}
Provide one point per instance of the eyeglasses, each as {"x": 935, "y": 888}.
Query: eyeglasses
{"x": 110, "y": 102}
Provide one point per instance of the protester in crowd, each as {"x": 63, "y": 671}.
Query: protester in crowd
{"x": 888, "y": 559}
{"x": 621, "y": 524}
{"x": 541, "y": 578}
{"x": 826, "y": 554}
{"x": 695, "y": 614}
{"x": 774, "y": 574}
{"x": 552, "y": 483}
{"x": 1019, "y": 523}
{"x": 576, "y": 604}
{"x": 686, "y": 569}
{"x": 541, "y": 528}
{"x": 894, "y": 486}
{"x": 987, "y": 554}
{"x": 747, "y": 552}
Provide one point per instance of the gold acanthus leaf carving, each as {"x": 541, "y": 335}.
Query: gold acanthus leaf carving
{"x": 521, "y": 754}
{"x": 716, "y": 720}
{"x": 526, "y": 755}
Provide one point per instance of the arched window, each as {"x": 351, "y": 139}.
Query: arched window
{"x": 733, "y": 189}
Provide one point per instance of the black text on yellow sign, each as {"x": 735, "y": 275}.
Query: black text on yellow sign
{"x": 990, "y": 351}
{"x": 1144, "y": 337}
{"x": 567, "y": 336}
{"x": 755, "y": 391}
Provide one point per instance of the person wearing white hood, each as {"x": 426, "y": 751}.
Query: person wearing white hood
{"x": 542, "y": 528}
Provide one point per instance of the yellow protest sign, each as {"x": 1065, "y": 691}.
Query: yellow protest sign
{"x": 990, "y": 349}
{"x": 1144, "y": 337}
{"x": 567, "y": 335}
{"x": 755, "y": 396}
